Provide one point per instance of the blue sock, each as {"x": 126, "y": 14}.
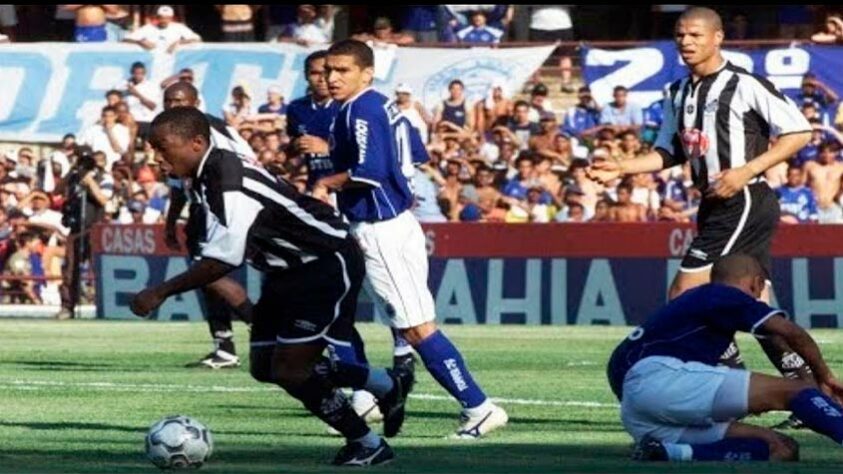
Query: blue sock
{"x": 819, "y": 412}
{"x": 400, "y": 346}
{"x": 354, "y": 353}
{"x": 730, "y": 449}
{"x": 445, "y": 364}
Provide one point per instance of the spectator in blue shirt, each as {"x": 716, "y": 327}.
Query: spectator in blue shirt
{"x": 583, "y": 119}
{"x": 479, "y": 31}
{"x": 621, "y": 114}
{"x": 274, "y": 102}
{"x": 421, "y": 22}
{"x": 797, "y": 201}
{"x": 816, "y": 92}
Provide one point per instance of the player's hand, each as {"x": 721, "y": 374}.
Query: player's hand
{"x": 832, "y": 387}
{"x": 604, "y": 171}
{"x": 322, "y": 193}
{"x": 146, "y": 302}
{"x": 313, "y": 144}
{"x": 171, "y": 240}
{"x": 730, "y": 182}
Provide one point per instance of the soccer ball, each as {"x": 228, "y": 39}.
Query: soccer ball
{"x": 178, "y": 442}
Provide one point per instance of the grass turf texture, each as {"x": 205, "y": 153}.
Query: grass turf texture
{"x": 78, "y": 396}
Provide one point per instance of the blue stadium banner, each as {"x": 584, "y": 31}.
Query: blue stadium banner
{"x": 537, "y": 274}
{"x": 50, "y": 89}
{"x": 646, "y": 70}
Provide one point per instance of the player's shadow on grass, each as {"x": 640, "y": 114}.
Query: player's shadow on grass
{"x": 63, "y": 366}
{"x": 74, "y": 426}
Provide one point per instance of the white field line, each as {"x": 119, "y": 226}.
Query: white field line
{"x": 44, "y": 385}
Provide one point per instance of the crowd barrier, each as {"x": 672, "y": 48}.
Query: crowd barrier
{"x": 559, "y": 274}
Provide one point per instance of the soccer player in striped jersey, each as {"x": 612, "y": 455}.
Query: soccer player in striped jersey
{"x": 224, "y": 297}
{"x": 720, "y": 119}
{"x": 313, "y": 270}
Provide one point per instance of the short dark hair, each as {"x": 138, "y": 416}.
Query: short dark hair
{"x": 362, "y": 53}
{"x": 313, "y": 57}
{"x": 626, "y": 186}
{"x": 109, "y": 108}
{"x": 137, "y": 65}
{"x": 620, "y": 89}
{"x": 456, "y": 82}
{"x": 521, "y": 103}
{"x": 113, "y": 92}
{"x": 734, "y": 267}
{"x": 184, "y": 122}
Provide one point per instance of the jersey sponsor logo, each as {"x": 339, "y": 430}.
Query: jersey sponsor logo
{"x": 361, "y": 132}
{"x": 694, "y": 142}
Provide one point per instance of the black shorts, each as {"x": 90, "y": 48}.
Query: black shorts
{"x": 744, "y": 223}
{"x": 313, "y": 303}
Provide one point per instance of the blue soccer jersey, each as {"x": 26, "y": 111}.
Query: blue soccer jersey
{"x": 363, "y": 143}
{"x": 698, "y": 326}
{"x": 306, "y": 117}
{"x": 798, "y": 202}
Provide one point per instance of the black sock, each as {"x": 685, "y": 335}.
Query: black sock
{"x": 330, "y": 405}
{"x": 225, "y": 344}
{"x": 732, "y": 357}
{"x": 244, "y": 311}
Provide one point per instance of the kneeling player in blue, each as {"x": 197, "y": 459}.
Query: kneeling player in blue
{"x": 313, "y": 272}
{"x": 679, "y": 405}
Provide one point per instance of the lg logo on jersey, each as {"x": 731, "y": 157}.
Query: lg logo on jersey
{"x": 694, "y": 142}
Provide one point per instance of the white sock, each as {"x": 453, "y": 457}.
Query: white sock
{"x": 379, "y": 382}
{"x": 401, "y": 351}
{"x": 678, "y": 451}
{"x": 480, "y": 410}
{"x": 369, "y": 440}
{"x": 362, "y": 396}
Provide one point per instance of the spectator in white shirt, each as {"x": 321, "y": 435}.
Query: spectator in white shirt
{"x": 142, "y": 96}
{"x": 107, "y": 136}
{"x": 307, "y": 30}
{"x": 166, "y": 33}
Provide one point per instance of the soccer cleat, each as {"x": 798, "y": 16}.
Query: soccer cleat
{"x": 791, "y": 423}
{"x": 355, "y": 454}
{"x": 393, "y": 404}
{"x": 406, "y": 362}
{"x": 217, "y": 359}
{"x": 475, "y": 427}
{"x": 649, "y": 449}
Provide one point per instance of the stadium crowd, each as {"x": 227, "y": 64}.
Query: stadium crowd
{"x": 499, "y": 159}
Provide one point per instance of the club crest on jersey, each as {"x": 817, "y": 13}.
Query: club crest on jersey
{"x": 694, "y": 142}
{"x": 689, "y": 109}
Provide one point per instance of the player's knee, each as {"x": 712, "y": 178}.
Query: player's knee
{"x": 416, "y": 334}
{"x": 783, "y": 448}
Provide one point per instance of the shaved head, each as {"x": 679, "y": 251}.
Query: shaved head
{"x": 706, "y": 15}
{"x": 737, "y": 270}
{"x": 181, "y": 94}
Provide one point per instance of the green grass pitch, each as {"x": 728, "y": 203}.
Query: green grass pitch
{"x": 78, "y": 397}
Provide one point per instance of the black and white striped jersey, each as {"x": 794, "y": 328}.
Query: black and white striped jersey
{"x": 250, "y": 215}
{"x": 723, "y": 121}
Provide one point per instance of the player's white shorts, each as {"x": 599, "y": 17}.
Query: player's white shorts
{"x": 682, "y": 402}
{"x": 396, "y": 268}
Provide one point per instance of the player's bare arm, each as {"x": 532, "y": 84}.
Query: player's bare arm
{"x": 204, "y": 272}
{"x": 730, "y": 181}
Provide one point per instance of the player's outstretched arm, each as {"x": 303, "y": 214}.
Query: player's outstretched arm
{"x": 202, "y": 273}
{"x": 607, "y": 170}
{"x": 803, "y": 344}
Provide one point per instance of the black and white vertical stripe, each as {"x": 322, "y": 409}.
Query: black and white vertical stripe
{"x": 736, "y": 111}
{"x": 252, "y": 215}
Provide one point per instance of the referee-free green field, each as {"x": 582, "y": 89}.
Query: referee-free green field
{"x": 78, "y": 396}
